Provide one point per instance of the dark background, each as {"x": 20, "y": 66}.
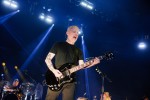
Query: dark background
{"x": 114, "y": 25}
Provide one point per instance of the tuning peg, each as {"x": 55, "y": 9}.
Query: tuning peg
{"x": 109, "y": 55}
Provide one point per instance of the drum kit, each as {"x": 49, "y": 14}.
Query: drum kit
{"x": 26, "y": 92}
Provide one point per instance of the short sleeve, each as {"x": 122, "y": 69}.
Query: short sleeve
{"x": 54, "y": 48}
{"x": 80, "y": 55}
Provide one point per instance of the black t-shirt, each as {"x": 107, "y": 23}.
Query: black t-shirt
{"x": 66, "y": 53}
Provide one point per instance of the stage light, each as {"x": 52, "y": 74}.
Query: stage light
{"x": 90, "y": 7}
{"x": 49, "y": 19}
{"x": 2, "y": 75}
{"x": 3, "y": 64}
{"x": 80, "y": 32}
{"x": 10, "y": 3}
{"x": 70, "y": 19}
{"x": 6, "y": 71}
{"x": 49, "y": 10}
{"x": 16, "y": 67}
{"x": 6, "y": 2}
{"x": 14, "y": 4}
{"x": 87, "y": 4}
{"x": 42, "y": 16}
{"x": 83, "y": 4}
{"x": 142, "y": 45}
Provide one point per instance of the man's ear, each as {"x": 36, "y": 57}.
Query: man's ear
{"x": 67, "y": 33}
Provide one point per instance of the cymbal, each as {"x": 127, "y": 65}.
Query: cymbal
{"x": 28, "y": 84}
{"x": 4, "y": 81}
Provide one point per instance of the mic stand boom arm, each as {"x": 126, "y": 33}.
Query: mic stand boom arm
{"x": 103, "y": 75}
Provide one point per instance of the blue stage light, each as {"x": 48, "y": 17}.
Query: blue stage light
{"x": 47, "y": 18}
{"x": 11, "y": 4}
{"x": 142, "y": 45}
{"x": 87, "y": 4}
{"x": 42, "y": 16}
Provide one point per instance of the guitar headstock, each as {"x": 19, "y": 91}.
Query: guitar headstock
{"x": 108, "y": 56}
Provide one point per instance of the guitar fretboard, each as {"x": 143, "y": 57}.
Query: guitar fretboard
{"x": 76, "y": 68}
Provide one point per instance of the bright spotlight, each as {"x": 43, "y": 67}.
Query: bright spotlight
{"x": 16, "y": 67}
{"x": 10, "y": 3}
{"x": 42, "y": 16}
{"x": 87, "y": 4}
{"x": 142, "y": 45}
{"x": 83, "y": 4}
{"x": 2, "y": 75}
{"x": 90, "y": 7}
{"x": 80, "y": 32}
{"x": 3, "y": 64}
{"x": 6, "y": 2}
{"x": 14, "y": 4}
{"x": 46, "y": 18}
{"x": 49, "y": 19}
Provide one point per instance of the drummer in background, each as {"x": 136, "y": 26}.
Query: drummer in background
{"x": 14, "y": 88}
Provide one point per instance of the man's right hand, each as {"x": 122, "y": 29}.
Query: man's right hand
{"x": 57, "y": 73}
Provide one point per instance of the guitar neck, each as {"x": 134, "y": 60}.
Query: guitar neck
{"x": 79, "y": 67}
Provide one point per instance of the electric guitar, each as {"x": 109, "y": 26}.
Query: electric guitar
{"x": 56, "y": 84}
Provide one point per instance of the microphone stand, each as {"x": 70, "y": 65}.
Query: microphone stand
{"x": 2, "y": 91}
{"x": 103, "y": 75}
{"x": 26, "y": 98}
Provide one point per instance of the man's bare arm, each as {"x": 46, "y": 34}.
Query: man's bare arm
{"x": 49, "y": 64}
{"x": 48, "y": 61}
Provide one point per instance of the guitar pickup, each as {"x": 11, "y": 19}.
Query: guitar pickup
{"x": 67, "y": 73}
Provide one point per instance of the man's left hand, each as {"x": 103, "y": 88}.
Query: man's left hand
{"x": 96, "y": 60}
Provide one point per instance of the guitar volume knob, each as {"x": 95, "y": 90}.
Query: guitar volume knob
{"x": 56, "y": 88}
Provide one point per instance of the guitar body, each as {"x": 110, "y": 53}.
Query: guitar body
{"x": 56, "y": 84}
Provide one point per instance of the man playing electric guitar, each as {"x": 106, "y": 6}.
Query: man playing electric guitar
{"x": 65, "y": 53}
